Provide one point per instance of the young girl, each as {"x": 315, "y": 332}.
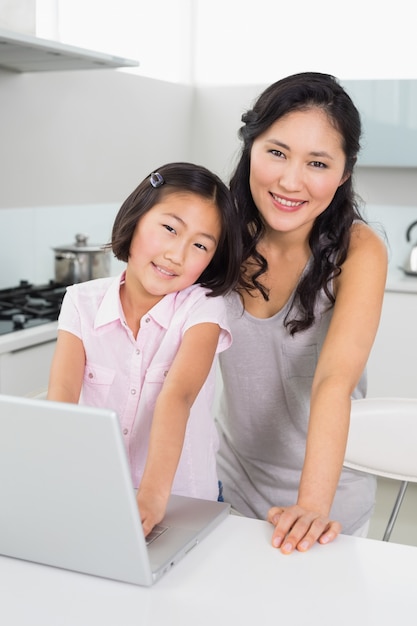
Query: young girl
{"x": 144, "y": 343}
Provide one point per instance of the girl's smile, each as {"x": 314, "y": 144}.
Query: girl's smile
{"x": 163, "y": 271}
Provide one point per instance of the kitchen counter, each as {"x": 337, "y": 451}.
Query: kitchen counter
{"x": 233, "y": 576}
{"x": 21, "y": 339}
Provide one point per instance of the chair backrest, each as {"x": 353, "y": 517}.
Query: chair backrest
{"x": 383, "y": 437}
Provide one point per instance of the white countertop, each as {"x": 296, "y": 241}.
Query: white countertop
{"x": 233, "y": 577}
{"x": 19, "y": 339}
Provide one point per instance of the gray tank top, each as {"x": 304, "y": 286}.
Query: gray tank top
{"x": 262, "y": 416}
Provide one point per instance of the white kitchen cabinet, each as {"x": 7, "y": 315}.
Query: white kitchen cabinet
{"x": 25, "y": 372}
{"x": 392, "y": 368}
{"x": 25, "y": 360}
{"x": 388, "y": 110}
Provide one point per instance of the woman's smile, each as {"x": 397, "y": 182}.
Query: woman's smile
{"x": 289, "y": 205}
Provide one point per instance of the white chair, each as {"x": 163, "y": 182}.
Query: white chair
{"x": 383, "y": 441}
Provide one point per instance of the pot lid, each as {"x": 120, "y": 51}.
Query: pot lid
{"x": 81, "y": 245}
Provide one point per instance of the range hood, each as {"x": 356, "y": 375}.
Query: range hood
{"x": 26, "y": 53}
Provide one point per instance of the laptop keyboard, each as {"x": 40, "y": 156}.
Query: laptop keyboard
{"x": 156, "y": 532}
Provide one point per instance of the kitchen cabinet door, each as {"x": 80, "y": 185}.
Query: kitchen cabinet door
{"x": 25, "y": 372}
{"x": 388, "y": 110}
{"x": 392, "y": 369}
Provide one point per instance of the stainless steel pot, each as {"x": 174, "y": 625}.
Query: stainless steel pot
{"x": 79, "y": 262}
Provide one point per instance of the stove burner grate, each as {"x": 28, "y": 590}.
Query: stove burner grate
{"x": 27, "y": 305}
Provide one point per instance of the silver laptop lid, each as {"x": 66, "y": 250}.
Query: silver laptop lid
{"x": 67, "y": 498}
{"x": 66, "y": 491}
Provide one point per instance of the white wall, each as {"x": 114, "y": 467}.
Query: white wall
{"x": 18, "y": 15}
{"x": 238, "y": 42}
{"x": 73, "y": 146}
{"x": 86, "y": 136}
{"x": 247, "y": 41}
{"x": 158, "y": 34}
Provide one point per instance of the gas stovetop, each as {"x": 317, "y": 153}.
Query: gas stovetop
{"x": 27, "y": 305}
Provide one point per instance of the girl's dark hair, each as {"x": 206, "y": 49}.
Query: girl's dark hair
{"x": 222, "y": 273}
{"x": 330, "y": 236}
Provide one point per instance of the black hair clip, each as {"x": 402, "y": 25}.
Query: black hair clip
{"x": 156, "y": 180}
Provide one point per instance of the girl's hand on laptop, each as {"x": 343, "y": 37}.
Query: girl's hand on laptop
{"x": 151, "y": 509}
{"x": 297, "y": 528}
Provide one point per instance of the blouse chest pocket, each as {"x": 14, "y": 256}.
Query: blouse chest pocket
{"x": 153, "y": 383}
{"x": 300, "y": 361}
{"x": 97, "y": 382}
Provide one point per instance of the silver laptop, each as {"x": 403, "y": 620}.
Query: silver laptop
{"x": 67, "y": 500}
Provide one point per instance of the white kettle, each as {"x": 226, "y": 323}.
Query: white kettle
{"x": 410, "y": 265}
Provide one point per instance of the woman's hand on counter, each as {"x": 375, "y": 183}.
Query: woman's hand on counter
{"x": 299, "y": 529}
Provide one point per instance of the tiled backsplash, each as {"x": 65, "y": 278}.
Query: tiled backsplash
{"x": 28, "y": 235}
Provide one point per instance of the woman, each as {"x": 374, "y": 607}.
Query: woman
{"x": 303, "y": 319}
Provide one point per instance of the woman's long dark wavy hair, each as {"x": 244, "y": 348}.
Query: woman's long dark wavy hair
{"x": 330, "y": 236}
